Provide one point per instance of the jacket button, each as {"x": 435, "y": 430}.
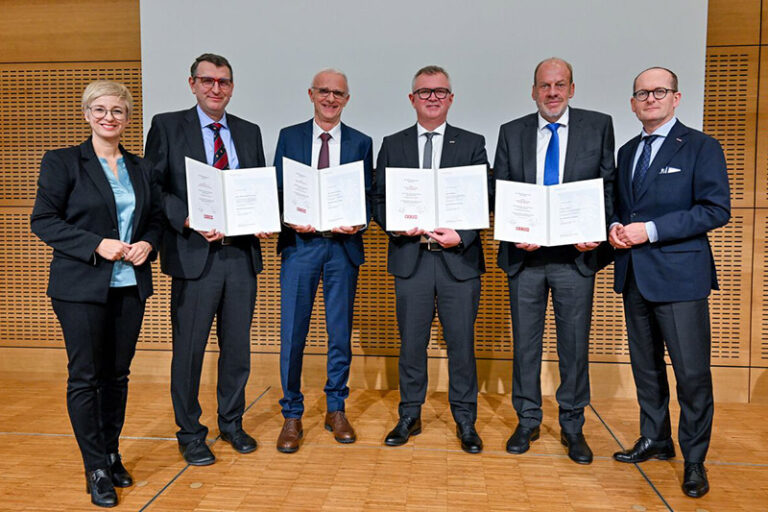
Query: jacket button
{"x": 634, "y": 214}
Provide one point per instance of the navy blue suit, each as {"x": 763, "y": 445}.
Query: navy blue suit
{"x": 305, "y": 259}
{"x": 666, "y": 283}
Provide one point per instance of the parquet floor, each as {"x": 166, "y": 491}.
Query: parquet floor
{"x": 40, "y": 466}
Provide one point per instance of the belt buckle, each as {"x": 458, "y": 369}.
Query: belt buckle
{"x": 433, "y": 246}
{"x": 327, "y": 234}
{"x": 227, "y": 240}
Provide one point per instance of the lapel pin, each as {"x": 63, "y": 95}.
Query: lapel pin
{"x": 678, "y": 139}
{"x": 451, "y": 141}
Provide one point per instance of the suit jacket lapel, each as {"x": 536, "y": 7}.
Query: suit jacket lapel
{"x": 528, "y": 144}
{"x": 625, "y": 168}
{"x": 346, "y": 153}
{"x": 194, "y": 136}
{"x": 671, "y": 145}
{"x": 574, "y": 145}
{"x": 134, "y": 172}
{"x": 411, "y": 148}
{"x": 306, "y": 143}
{"x": 95, "y": 171}
{"x": 450, "y": 147}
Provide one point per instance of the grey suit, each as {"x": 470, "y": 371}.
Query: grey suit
{"x": 569, "y": 274}
{"x": 451, "y": 277}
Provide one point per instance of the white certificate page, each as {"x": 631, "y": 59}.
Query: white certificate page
{"x": 342, "y": 196}
{"x": 520, "y": 213}
{"x": 410, "y": 199}
{"x": 462, "y": 197}
{"x": 577, "y": 212}
{"x": 251, "y": 201}
{"x": 205, "y": 198}
{"x": 300, "y": 194}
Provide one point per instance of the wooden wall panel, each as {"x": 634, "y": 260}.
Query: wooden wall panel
{"x": 761, "y": 160}
{"x": 43, "y": 104}
{"x": 760, "y": 291}
{"x": 730, "y": 109}
{"x": 733, "y": 22}
{"x": 69, "y": 30}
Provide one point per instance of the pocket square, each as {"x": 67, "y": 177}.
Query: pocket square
{"x": 670, "y": 170}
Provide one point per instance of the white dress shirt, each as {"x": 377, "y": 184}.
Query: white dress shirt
{"x": 334, "y": 144}
{"x": 543, "y": 136}
{"x": 437, "y": 144}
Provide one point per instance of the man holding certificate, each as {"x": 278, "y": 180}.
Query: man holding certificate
{"x": 442, "y": 266}
{"x": 555, "y": 145}
{"x": 308, "y": 254}
{"x": 213, "y": 275}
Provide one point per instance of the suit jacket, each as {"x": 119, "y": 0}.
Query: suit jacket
{"x": 460, "y": 147}
{"x": 173, "y": 136}
{"x": 75, "y": 210}
{"x": 589, "y": 155}
{"x": 295, "y": 142}
{"x": 685, "y": 193}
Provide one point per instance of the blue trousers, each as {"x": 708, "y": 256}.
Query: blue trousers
{"x": 303, "y": 265}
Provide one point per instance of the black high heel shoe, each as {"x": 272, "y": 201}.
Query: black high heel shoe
{"x": 120, "y": 476}
{"x": 99, "y": 485}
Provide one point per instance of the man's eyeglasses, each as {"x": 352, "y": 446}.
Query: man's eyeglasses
{"x": 659, "y": 93}
{"x": 440, "y": 93}
{"x": 323, "y": 93}
{"x": 99, "y": 112}
{"x": 225, "y": 84}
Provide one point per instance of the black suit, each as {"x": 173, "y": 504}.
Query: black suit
{"x": 74, "y": 211}
{"x": 451, "y": 277}
{"x": 209, "y": 279}
{"x": 565, "y": 271}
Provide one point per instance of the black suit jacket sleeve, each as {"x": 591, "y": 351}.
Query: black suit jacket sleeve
{"x": 174, "y": 207}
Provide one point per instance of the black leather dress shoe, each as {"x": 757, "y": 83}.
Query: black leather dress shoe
{"x": 120, "y": 476}
{"x": 240, "y": 441}
{"x": 197, "y": 453}
{"x": 645, "y": 449}
{"x": 520, "y": 441}
{"x": 406, "y": 427}
{"x": 99, "y": 485}
{"x": 578, "y": 449}
{"x": 470, "y": 440}
{"x": 695, "y": 483}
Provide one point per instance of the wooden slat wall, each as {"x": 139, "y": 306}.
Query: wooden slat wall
{"x": 50, "y": 50}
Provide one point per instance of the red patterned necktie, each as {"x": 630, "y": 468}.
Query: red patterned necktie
{"x": 220, "y": 160}
{"x": 324, "y": 159}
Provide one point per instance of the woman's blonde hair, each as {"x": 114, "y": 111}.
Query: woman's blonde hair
{"x": 101, "y": 88}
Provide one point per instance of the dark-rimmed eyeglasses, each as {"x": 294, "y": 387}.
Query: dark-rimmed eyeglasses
{"x": 207, "y": 82}
{"x": 323, "y": 93}
{"x": 99, "y": 112}
{"x": 659, "y": 93}
{"x": 440, "y": 93}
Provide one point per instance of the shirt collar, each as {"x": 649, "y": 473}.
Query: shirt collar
{"x": 335, "y": 132}
{"x": 205, "y": 120}
{"x": 420, "y": 130}
{"x": 662, "y": 131}
{"x": 563, "y": 121}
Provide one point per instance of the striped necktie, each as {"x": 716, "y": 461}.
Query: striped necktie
{"x": 220, "y": 160}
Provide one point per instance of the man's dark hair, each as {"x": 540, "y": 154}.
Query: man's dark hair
{"x": 216, "y": 60}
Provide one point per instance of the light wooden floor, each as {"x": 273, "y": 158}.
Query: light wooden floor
{"x": 40, "y": 466}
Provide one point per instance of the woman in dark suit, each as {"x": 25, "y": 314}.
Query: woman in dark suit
{"x": 98, "y": 207}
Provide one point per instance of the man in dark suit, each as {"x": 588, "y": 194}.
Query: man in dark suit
{"x": 557, "y": 144}
{"x": 442, "y": 265}
{"x": 308, "y": 255}
{"x": 213, "y": 275}
{"x": 672, "y": 188}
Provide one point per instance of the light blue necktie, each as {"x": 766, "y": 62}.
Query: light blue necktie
{"x": 552, "y": 160}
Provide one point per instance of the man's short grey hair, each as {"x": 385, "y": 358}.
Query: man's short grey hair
{"x": 557, "y": 59}
{"x": 330, "y": 70}
{"x": 672, "y": 78}
{"x": 430, "y": 70}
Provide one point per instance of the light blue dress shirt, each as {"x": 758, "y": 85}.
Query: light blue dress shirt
{"x": 226, "y": 138}
{"x": 662, "y": 132}
{"x": 125, "y": 201}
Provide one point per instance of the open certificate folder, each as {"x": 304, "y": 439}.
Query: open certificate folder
{"x": 451, "y": 197}
{"x": 324, "y": 198}
{"x": 234, "y": 202}
{"x": 569, "y": 213}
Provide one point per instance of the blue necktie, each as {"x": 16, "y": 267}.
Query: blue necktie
{"x": 643, "y": 163}
{"x": 552, "y": 160}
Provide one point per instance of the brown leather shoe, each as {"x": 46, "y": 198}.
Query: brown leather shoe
{"x": 337, "y": 423}
{"x": 290, "y": 435}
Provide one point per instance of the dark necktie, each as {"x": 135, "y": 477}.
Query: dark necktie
{"x": 427, "y": 160}
{"x": 552, "y": 159}
{"x": 220, "y": 160}
{"x": 324, "y": 159}
{"x": 643, "y": 163}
